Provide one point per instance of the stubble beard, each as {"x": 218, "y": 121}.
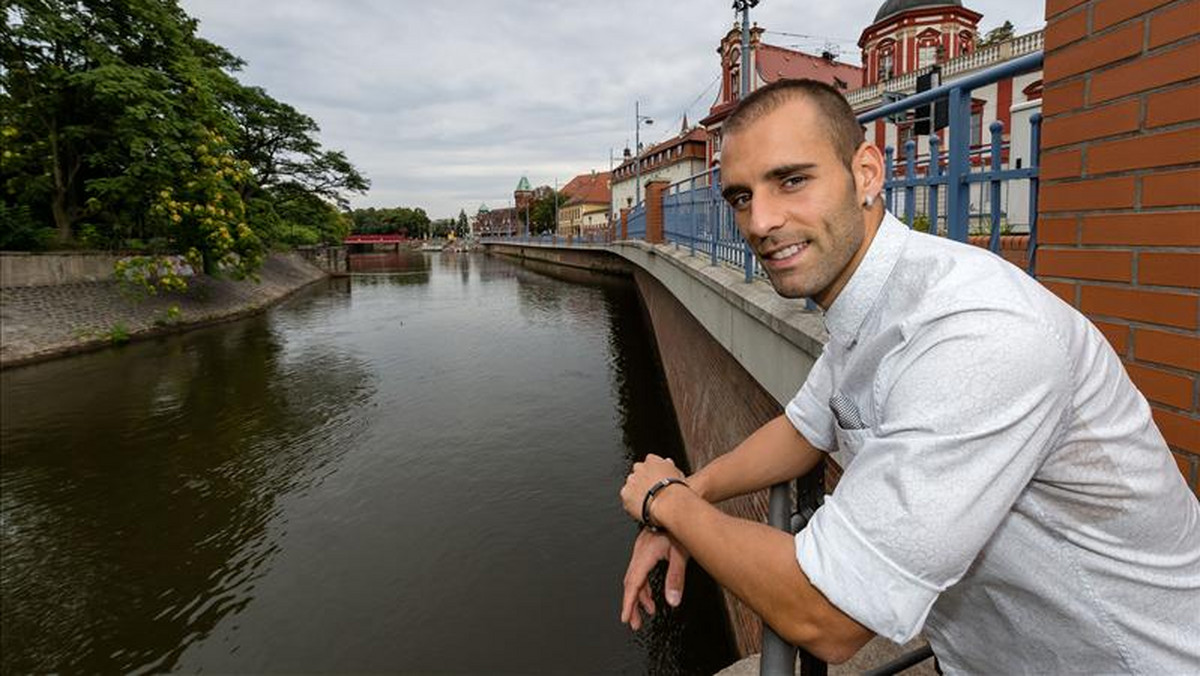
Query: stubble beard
{"x": 843, "y": 237}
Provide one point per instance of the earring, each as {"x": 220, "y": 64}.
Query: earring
{"x": 869, "y": 201}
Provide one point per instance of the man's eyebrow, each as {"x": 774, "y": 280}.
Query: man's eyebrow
{"x": 788, "y": 169}
{"x": 730, "y": 190}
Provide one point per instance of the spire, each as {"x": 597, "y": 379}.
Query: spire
{"x": 523, "y": 185}
{"x": 683, "y": 129}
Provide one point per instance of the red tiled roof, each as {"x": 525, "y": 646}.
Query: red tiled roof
{"x": 775, "y": 63}
{"x": 590, "y": 188}
{"x": 695, "y": 134}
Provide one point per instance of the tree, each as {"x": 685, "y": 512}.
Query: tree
{"x": 542, "y": 214}
{"x": 1001, "y": 33}
{"x": 462, "y": 226}
{"x": 119, "y": 122}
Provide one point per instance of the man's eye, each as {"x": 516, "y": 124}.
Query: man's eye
{"x": 794, "y": 181}
{"x": 739, "y": 201}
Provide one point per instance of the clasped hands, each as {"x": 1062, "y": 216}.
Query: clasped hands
{"x": 650, "y": 547}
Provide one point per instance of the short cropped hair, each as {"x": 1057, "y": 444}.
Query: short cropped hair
{"x": 845, "y": 132}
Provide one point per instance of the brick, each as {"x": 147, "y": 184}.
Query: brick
{"x": 1180, "y": 431}
{"x": 1066, "y": 29}
{"x": 1110, "y": 266}
{"x": 1117, "y": 335}
{"x": 1091, "y": 124}
{"x": 1056, "y": 7}
{"x": 1147, "y": 73}
{"x": 1177, "y": 105}
{"x": 1064, "y": 290}
{"x": 1176, "y": 188}
{"x": 1155, "y": 307}
{"x": 1058, "y": 231}
{"x": 1111, "y": 12}
{"x": 1161, "y": 386}
{"x": 1140, "y": 152}
{"x": 1169, "y": 269}
{"x": 1185, "y": 468}
{"x": 1063, "y": 164}
{"x": 1175, "y": 24}
{"x": 1095, "y": 52}
{"x": 1061, "y": 98}
{"x": 1170, "y": 349}
{"x": 1098, "y": 193}
{"x": 1162, "y": 228}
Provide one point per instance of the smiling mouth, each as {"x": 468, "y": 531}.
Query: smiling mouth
{"x": 786, "y": 252}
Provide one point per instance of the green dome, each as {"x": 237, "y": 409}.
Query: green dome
{"x": 523, "y": 185}
{"x": 483, "y": 208}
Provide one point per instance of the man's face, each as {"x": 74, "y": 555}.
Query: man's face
{"x": 794, "y": 201}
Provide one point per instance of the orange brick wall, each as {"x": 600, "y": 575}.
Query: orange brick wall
{"x": 1119, "y": 233}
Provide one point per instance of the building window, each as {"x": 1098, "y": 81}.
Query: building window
{"x": 976, "y": 125}
{"x": 886, "y": 69}
{"x": 927, "y": 55}
{"x": 904, "y": 134}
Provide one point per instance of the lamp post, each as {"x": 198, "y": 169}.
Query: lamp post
{"x": 638, "y": 121}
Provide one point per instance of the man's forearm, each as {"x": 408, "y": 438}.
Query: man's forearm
{"x": 775, "y": 452}
{"x": 758, "y": 564}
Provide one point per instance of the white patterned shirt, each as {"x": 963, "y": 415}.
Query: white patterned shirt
{"x": 1005, "y": 488}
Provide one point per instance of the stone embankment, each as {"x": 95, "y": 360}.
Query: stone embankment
{"x": 49, "y": 320}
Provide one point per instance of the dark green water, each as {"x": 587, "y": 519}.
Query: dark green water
{"x": 405, "y": 471}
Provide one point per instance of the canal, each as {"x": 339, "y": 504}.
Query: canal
{"x": 414, "y": 469}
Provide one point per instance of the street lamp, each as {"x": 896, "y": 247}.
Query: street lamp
{"x": 638, "y": 121}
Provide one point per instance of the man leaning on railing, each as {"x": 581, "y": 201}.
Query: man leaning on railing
{"x": 1005, "y": 489}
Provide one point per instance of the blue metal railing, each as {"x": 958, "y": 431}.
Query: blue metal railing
{"x": 958, "y": 177}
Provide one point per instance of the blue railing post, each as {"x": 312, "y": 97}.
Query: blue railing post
{"x": 910, "y": 190}
{"x": 958, "y": 190}
{"x": 889, "y": 176}
{"x": 1035, "y": 148}
{"x": 997, "y": 130}
{"x": 934, "y": 173}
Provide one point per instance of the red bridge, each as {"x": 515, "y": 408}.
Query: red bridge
{"x": 375, "y": 239}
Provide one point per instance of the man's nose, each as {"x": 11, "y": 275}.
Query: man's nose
{"x": 764, "y": 216}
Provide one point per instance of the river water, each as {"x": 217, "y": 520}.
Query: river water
{"x": 414, "y": 469}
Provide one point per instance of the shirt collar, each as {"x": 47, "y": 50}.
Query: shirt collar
{"x": 850, "y": 309}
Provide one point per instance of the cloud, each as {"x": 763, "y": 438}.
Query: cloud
{"x": 447, "y": 104}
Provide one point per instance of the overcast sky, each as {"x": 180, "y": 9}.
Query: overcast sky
{"x": 445, "y": 105}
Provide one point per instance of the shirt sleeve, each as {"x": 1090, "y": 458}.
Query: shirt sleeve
{"x": 965, "y": 413}
{"x": 809, "y": 411}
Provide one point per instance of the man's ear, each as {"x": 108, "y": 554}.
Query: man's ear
{"x": 867, "y": 168}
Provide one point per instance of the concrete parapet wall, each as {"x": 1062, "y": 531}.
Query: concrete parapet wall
{"x": 55, "y": 268}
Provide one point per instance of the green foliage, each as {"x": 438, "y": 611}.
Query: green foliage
{"x": 171, "y": 316}
{"x": 414, "y": 223}
{"x": 120, "y": 123}
{"x": 140, "y": 276}
{"x": 19, "y": 231}
{"x": 1002, "y": 33}
{"x": 542, "y": 215}
{"x": 118, "y": 334}
{"x": 921, "y": 223}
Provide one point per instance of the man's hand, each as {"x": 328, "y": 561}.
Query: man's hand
{"x": 648, "y": 550}
{"x": 643, "y": 477}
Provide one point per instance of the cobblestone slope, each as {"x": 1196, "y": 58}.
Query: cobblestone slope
{"x": 40, "y": 322}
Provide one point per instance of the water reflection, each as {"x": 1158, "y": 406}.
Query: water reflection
{"x": 381, "y": 474}
{"x": 139, "y": 487}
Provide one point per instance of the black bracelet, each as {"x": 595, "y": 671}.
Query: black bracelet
{"x": 662, "y": 483}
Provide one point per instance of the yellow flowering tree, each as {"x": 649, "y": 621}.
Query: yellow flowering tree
{"x": 204, "y": 215}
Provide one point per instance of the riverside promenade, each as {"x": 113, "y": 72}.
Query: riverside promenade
{"x": 50, "y": 320}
